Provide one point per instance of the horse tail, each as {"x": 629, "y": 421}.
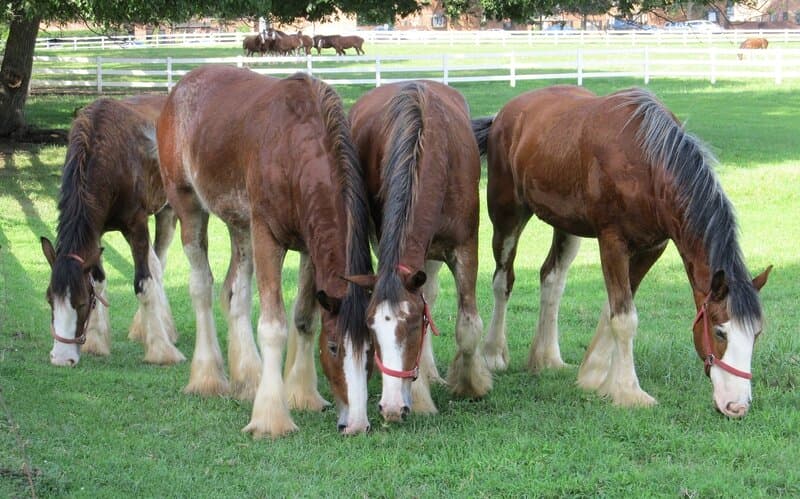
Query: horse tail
{"x": 352, "y": 313}
{"x": 480, "y": 128}
{"x": 708, "y": 214}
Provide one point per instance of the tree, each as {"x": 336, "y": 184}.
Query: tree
{"x": 24, "y": 16}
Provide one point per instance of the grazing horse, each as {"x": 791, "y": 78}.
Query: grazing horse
{"x": 347, "y": 42}
{"x": 110, "y": 181}
{"x": 283, "y": 43}
{"x": 422, "y": 168}
{"x": 255, "y": 43}
{"x": 325, "y": 42}
{"x": 753, "y": 43}
{"x": 280, "y": 170}
{"x": 620, "y": 169}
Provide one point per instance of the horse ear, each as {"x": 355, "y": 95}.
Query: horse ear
{"x": 761, "y": 278}
{"x": 329, "y": 303}
{"x": 366, "y": 281}
{"x": 49, "y": 252}
{"x": 719, "y": 286}
{"x": 415, "y": 281}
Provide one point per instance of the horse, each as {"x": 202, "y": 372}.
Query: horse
{"x": 325, "y": 42}
{"x": 255, "y": 43}
{"x": 283, "y": 43}
{"x": 753, "y": 43}
{"x": 306, "y": 43}
{"x": 620, "y": 169}
{"x": 110, "y": 181}
{"x": 280, "y": 170}
{"x": 422, "y": 168}
{"x": 341, "y": 43}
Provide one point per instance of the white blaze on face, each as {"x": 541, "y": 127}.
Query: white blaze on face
{"x": 396, "y": 392}
{"x": 64, "y": 323}
{"x": 732, "y": 394}
{"x": 354, "y": 415}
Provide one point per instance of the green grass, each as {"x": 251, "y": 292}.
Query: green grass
{"x": 115, "y": 427}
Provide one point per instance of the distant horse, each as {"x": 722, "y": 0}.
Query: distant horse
{"x": 282, "y": 43}
{"x": 255, "y": 43}
{"x": 753, "y": 43}
{"x": 110, "y": 181}
{"x": 279, "y": 168}
{"x": 342, "y": 43}
{"x": 325, "y": 42}
{"x": 306, "y": 42}
{"x": 422, "y": 169}
{"x": 621, "y": 169}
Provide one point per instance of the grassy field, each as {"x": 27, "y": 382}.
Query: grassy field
{"x": 115, "y": 427}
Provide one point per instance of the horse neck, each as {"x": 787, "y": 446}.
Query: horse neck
{"x": 327, "y": 245}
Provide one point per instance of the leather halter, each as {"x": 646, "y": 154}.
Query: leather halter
{"x": 709, "y": 359}
{"x": 93, "y": 299}
{"x": 427, "y": 320}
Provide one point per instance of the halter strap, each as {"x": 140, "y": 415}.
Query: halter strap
{"x": 427, "y": 320}
{"x": 94, "y": 297}
{"x": 709, "y": 359}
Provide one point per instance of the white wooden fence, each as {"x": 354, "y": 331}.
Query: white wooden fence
{"x": 453, "y": 38}
{"x": 575, "y": 65}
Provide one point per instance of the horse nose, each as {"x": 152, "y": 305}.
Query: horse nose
{"x": 736, "y": 409}
{"x": 393, "y": 414}
{"x": 404, "y": 412}
{"x": 63, "y": 361}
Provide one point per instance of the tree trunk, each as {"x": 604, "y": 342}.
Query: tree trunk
{"x": 15, "y": 73}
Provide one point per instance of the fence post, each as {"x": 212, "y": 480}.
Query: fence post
{"x": 309, "y": 67}
{"x": 377, "y": 71}
{"x": 445, "y": 69}
{"x": 99, "y": 75}
{"x": 513, "y": 70}
{"x": 778, "y": 65}
{"x": 169, "y": 73}
{"x": 646, "y": 65}
{"x": 102, "y": 42}
{"x": 239, "y": 61}
{"x": 580, "y": 66}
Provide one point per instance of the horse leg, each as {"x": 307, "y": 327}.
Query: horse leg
{"x": 243, "y": 359}
{"x": 508, "y": 225}
{"x": 421, "y": 400}
{"x": 468, "y": 375}
{"x": 300, "y": 370}
{"x": 153, "y": 304}
{"x": 207, "y": 375}
{"x": 165, "y": 231}
{"x": 621, "y": 384}
{"x": 270, "y": 414}
{"x": 545, "y": 352}
{"x": 98, "y": 330}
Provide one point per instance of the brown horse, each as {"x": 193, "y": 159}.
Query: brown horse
{"x": 341, "y": 43}
{"x": 753, "y": 43}
{"x": 325, "y": 42}
{"x": 111, "y": 181}
{"x": 255, "y": 43}
{"x": 422, "y": 169}
{"x": 621, "y": 169}
{"x": 279, "y": 168}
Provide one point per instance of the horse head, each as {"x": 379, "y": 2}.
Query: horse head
{"x": 398, "y": 318}
{"x": 71, "y": 295}
{"x": 725, "y": 341}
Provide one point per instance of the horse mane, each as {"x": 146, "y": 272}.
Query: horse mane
{"x": 403, "y": 125}
{"x": 352, "y": 313}
{"x": 77, "y": 204}
{"x": 708, "y": 214}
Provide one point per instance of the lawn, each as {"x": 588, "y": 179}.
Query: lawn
{"x": 116, "y": 427}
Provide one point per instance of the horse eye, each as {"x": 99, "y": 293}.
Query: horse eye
{"x": 333, "y": 348}
{"x": 720, "y": 334}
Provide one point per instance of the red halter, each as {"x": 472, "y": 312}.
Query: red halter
{"x": 93, "y": 299}
{"x": 427, "y": 320}
{"x": 709, "y": 358}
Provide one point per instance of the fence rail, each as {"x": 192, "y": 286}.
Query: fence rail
{"x": 576, "y": 65}
{"x": 626, "y": 37}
